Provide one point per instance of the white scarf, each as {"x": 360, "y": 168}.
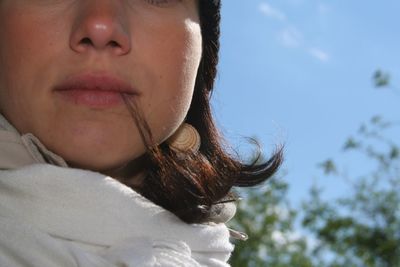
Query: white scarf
{"x": 53, "y": 216}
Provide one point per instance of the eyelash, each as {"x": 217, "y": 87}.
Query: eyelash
{"x": 161, "y": 2}
{"x": 157, "y": 2}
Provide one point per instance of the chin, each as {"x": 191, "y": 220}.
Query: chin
{"x": 99, "y": 157}
{"x": 97, "y": 148}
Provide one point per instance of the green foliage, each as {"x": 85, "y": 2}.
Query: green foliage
{"x": 360, "y": 229}
{"x": 265, "y": 215}
{"x": 328, "y": 166}
{"x": 381, "y": 79}
{"x": 363, "y": 228}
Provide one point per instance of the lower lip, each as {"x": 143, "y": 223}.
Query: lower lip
{"x": 93, "y": 98}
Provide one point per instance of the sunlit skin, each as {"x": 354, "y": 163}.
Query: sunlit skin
{"x": 154, "y": 46}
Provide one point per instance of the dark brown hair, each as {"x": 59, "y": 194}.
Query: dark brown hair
{"x": 189, "y": 185}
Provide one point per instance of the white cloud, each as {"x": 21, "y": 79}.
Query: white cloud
{"x": 323, "y": 9}
{"x": 288, "y": 238}
{"x": 278, "y": 237}
{"x": 271, "y": 12}
{"x": 281, "y": 238}
{"x": 319, "y": 54}
{"x": 290, "y": 37}
{"x": 296, "y": 2}
{"x": 281, "y": 212}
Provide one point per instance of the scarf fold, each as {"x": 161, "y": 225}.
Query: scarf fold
{"x": 53, "y": 216}
{"x": 20, "y": 150}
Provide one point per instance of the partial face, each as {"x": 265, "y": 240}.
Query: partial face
{"x": 64, "y": 63}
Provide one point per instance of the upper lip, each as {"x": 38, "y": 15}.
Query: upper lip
{"x": 96, "y": 81}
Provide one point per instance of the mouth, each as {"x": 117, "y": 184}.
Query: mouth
{"x": 95, "y": 90}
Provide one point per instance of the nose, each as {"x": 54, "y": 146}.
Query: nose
{"x": 100, "y": 25}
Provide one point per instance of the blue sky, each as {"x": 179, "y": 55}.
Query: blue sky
{"x": 299, "y": 72}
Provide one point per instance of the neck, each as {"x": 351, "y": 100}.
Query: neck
{"x": 131, "y": 174}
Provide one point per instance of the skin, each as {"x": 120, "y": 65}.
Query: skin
{"x": 154, "y": 45}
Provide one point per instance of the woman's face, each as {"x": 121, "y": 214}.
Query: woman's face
{"x": 64, "y": 63}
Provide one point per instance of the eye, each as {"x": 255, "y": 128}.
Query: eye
{"x": 162, "y": 3}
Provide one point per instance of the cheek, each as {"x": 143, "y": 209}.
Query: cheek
{"x": 22, "y": 40}
{"x": 15, "y": 56}
{"x": 22, "y": 52}
{"x": 176, "y": 63}
{"x": 30, "y": 44}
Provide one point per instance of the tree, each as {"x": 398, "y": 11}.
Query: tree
{"x": 362, "y": 228}
{"x": 266, "y": 216}
{"x": 359, "y": 229}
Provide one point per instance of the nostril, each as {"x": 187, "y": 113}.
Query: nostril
{"x": 91, "y": 36}
{"x": 113, "y": 44}
{"x": 86, "y": 41}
